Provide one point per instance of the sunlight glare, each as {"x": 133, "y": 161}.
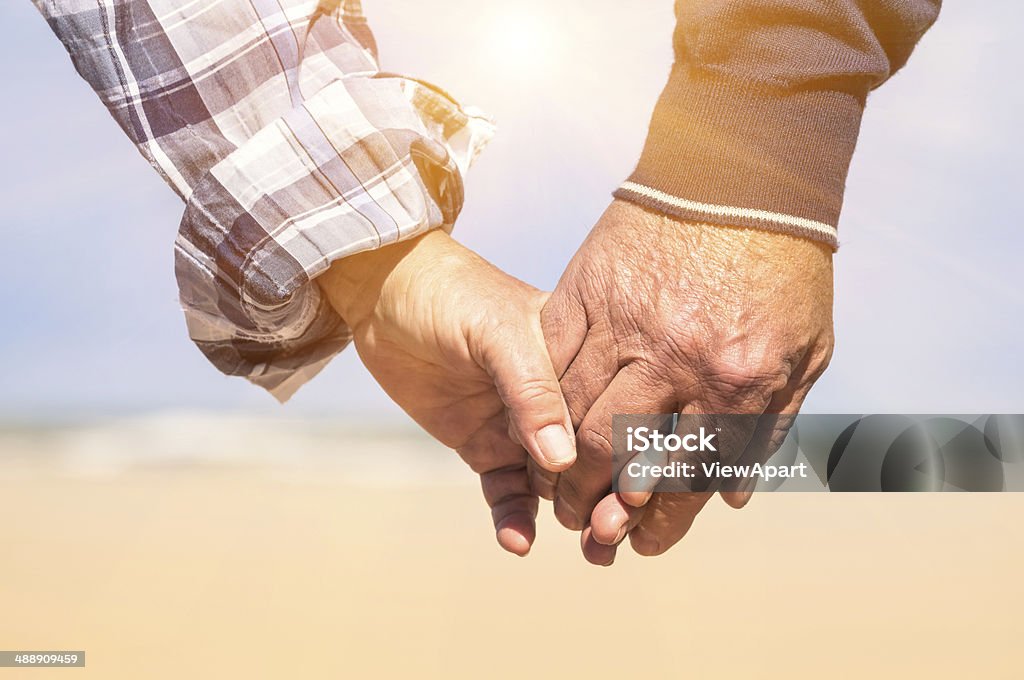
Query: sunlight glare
{"x": 521, "y": 40}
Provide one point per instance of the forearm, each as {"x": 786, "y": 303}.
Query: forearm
{"x": 289, "y": 153}
{"x": 762, "y": 111}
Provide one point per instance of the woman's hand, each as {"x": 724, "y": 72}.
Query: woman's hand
{"x": 458, "y": 345}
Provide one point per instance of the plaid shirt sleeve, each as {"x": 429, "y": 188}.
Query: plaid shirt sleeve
{"x": 290, "y": 148}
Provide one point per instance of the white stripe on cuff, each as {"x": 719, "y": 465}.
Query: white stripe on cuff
{"x": 828, "y": 232}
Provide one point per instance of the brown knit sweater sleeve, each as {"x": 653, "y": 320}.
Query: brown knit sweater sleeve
{"x": 761, "y": 114}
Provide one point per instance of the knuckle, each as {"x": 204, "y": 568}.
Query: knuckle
{"x": 543, "y": 483}
{"x": 518, "y": 505}
{"x": 825, "y": 357}
{"x": 490, "y": 449}
{"x": 478, "y": 464}
{"x": 500, "y": 486}
{"x": 646, "y": 542}
{"x": 568, "y": 489}
{"x": 647, "y": 548}
{"x": 738, "y": 383}
{"x": 595, "y": 443}
{"x": 532, "y": 391}
{"x": 817, "y": 363}
{"x": 567, "y": 512}
{"x": 576, "y": 411}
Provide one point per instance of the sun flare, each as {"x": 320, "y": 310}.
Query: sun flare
{"x": 521, "y": 40}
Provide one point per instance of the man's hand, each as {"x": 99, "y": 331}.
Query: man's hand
{"x": 655, "y": 315}
{"x": 458, "y": 345}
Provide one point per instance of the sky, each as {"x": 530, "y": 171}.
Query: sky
{"x": 929, "y": 309}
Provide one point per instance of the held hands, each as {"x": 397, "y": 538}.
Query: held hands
{"x": 653, "y": 315}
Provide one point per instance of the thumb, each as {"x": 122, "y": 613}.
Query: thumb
{"x": 526, "y": 381}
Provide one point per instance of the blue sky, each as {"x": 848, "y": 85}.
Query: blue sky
{"x": 929, "y": 304}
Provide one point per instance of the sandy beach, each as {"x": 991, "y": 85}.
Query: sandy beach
{"x": 174, "y": 548}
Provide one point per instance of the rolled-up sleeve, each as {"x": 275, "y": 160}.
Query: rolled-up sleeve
{"x": 272, "y": 121}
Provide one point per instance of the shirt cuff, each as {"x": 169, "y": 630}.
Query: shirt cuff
{"x": 364, "y": 163}
{"x": 726, "y": 152}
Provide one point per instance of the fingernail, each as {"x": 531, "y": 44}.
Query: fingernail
{"x": 555, "y": 445}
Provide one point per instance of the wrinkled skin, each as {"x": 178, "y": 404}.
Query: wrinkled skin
{"x": 458, "y": 345}
{"x": 655, "y": 315}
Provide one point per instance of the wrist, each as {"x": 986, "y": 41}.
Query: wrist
{"x": 711, "y": 238}
{"x": 739, "y": 153}
{"x": 738, "y": 258}
{"x": 355, "y": 285}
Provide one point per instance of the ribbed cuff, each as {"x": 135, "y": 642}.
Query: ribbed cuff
{"x": 769, "y": 158}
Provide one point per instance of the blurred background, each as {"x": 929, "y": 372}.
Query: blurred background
{"x": 168, "y": 519}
